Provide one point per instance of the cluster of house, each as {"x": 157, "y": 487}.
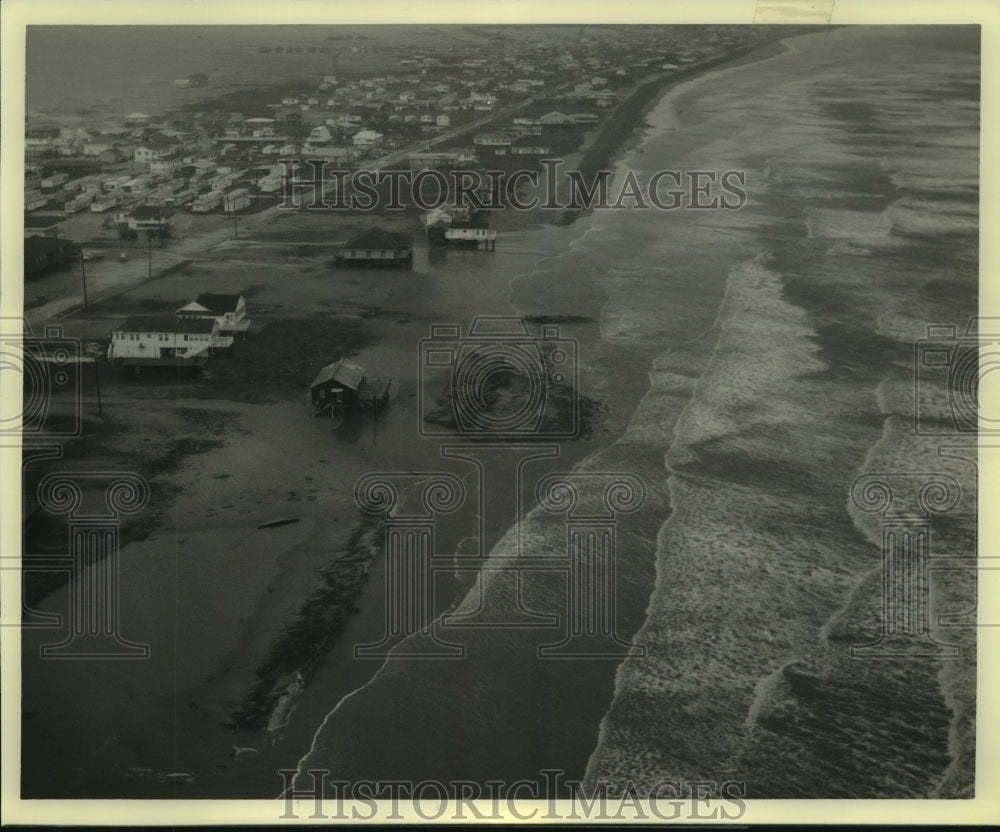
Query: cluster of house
{"x": 519, "y": 138}
{"x": 190, "y": 336}
{"x": 164, "y": 175}
{"x": 211, "y": 161}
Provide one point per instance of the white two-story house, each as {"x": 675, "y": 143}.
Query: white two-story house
{"x": 165, "y": 340}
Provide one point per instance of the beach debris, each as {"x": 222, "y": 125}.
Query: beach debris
{"x": 144, "y": 773}
{"x": 237, "y": 750}
{"x": 282, "y": 521}
{"x": 282, "y": 713}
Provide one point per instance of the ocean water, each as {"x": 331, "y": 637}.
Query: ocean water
{"x": 756, "y": 362}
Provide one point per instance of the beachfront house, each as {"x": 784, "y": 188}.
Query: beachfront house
{"x": 376, "y": 248}
{"x": 161, "y": 340}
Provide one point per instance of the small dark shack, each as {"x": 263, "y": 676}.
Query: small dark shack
{"x": 343, "y": 386}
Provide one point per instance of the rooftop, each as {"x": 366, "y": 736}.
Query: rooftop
{"x": 379, "y": 239}
{"x": 343, "y": 372}
{"x": 168, "y": 323}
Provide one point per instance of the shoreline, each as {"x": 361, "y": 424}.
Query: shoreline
{"x": 587, "y": 321}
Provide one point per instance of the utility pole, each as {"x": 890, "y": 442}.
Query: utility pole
{"x": 149, "y": 239}
{"x": 83, "y": 271}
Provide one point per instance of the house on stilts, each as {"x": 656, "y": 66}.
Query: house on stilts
{"x": 343, "y": 386}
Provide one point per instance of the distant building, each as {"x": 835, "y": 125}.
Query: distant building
{"x": 320, "y": 135}
{"x": 206, "y": 202}
{"x": 555, "y": 118}
{"x": 493, "y": 139}
{"x": 235, "y": 200}
{"x": 94, "y": 148}
{"x": 164, "y": 167}
{"x": 333, "y": 155}
{"x": 376, "y": 247}
{"x": 44, "y": 253}
{"x": 144, "y": 218}
{"x": 199, "y": 167}
{"x": 157, "y": 147}
{"x": 439, "y": 159}
{"x": 470, "y": 232}
{"x": 136, "y": 119}
{"x": 366, "y": 139}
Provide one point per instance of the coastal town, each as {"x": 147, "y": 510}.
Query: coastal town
{"x": 506, "y": 104}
